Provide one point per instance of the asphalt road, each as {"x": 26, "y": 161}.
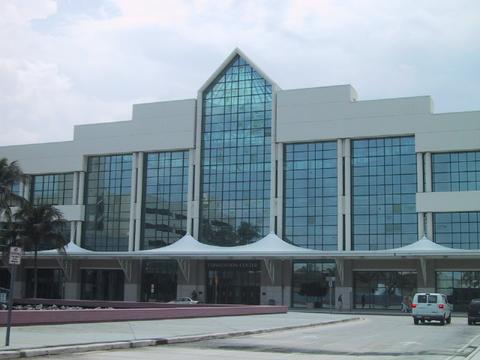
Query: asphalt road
{"x": 373, "y": 337}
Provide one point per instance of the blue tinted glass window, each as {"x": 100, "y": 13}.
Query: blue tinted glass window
{"x": 107, "y": 203}
{"x": 235, "y": 159}
{"x": 52, "y": 189}
{"x": 15, "y": 189}
{"x": 165, "y": 198}
{"x": 456, "y": 171}
{"x": 310, "y": 195}
{"x": 459, "y": 230}
{"x": 384, "y": 184}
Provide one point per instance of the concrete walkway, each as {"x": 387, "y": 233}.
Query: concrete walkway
{"x": 29, "y": 341}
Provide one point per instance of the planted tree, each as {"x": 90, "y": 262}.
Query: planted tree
{"x": 39, "y": 226}
{"x": 10, "y": 174}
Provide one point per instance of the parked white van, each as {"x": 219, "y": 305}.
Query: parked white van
{"x": 431, "y": 306}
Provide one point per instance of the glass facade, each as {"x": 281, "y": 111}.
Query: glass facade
{"x": 457, "y": 229}
{"x": 236, "y": 157}
{"x": 107, "y": 203}
{"x": 460, "y": 286}
{"x": 165, "y": 198}
{"x": 384, "y": 184}
{"x": 310, "y": 284}
{"x": 310, "y": 195}
{"x": 100, "y": 284}
{"x": 456, "y": 171}
{"x": 50, "y": 283}
{"x": 383, "y": 289}
{"x": 52, "y": 189}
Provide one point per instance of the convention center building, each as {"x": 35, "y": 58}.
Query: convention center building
{"x": 251, "y": 194}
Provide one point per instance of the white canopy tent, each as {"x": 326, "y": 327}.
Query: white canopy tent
{"x": 268, "y": 249}
{"x": 271, "y": 246}
{"x": 186, "y": 245}
{"x": 70, "y": 249}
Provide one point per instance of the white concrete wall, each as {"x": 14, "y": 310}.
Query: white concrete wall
{"x": 154, "y": 127}
{"x": 72, "y": 212}
{"x": 450, "y": 132}
{"x": 312, "y": 114}
{"x": 448, "y": 201}
{"x": 45, "y": 158}
{"x": 330, "y": 113}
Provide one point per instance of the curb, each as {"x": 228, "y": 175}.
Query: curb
{"x": 75, "y": 348}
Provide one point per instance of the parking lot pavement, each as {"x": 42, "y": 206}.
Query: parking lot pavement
{"x": 376, "y": 337}
{"x": 128, "y": 334}
{"x": 373, "y": 337}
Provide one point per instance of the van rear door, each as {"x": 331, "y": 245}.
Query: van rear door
{"x": 427, "y": 304}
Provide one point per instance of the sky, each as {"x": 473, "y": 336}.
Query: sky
{"x": 70, "y": 62}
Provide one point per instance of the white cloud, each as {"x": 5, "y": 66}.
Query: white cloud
{"x": 22, "y": 11}
{"x": 63, "y": 63}
{"x": 39, "y": 103}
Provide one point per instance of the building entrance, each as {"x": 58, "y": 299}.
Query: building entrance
{"x": 159, "y": 280}
{"x": 233, "y": 282}
{"x": 383, "y": 289}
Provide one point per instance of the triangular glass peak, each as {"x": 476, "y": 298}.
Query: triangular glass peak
{"x": 237, "y": 71}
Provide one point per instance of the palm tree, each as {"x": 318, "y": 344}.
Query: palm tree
{"x": 39, "y": 226}
{"x": 10, "y": 174}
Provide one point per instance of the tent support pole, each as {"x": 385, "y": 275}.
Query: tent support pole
{"x": 126, "y": 266}
{"x": 66, "y": 266}
{"x": 340, "y": 263}
{"x": 184, "y": 265}
{"x": 423, "y": 267}
{"x": 270, "y": 266}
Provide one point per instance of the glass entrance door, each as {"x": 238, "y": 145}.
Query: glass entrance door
{"x": 159, "y": 280}
{"x": 233, "y": 282}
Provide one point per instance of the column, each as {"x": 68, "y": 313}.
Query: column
{"x": 279, "y": 194}
{"x": 80, "y": 201}
{"x": 27, "y": 187}
{"x": 73, "y": 224}
{"x": 420, "y": 189}
{"x": 133, "y": 194}
{"x": 132, "y": 286}
{"x": 428, "y": 188}
{"x": 76, "y": 175}
{"x": 191, "y": 191}
{"x": 22, "y": 189}
{"x": 348, "y": 194}
{"x": 197, "y": 161}
{"x": 273, "y": 167}
{"x": 72, "y": 285}
{"x": 139, "y": 200}
{"x": 340, "y": 198}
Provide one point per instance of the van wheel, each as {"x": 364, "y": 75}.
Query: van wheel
{"x": 470, "y": 322}
{"x": 415, "y": 321}
{"x": 442, "y": 322}
{"x": 449, "y": 319}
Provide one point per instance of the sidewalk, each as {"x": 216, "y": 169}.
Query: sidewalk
{"x": 29, "y": 341}
{"x": 367, "y": 312}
